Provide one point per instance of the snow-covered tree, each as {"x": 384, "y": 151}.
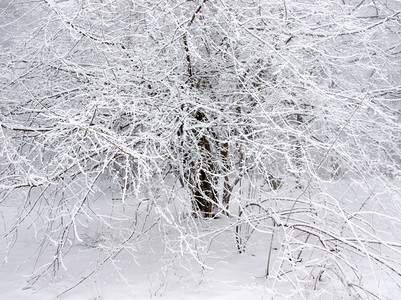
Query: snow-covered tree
{"x": 254, "y": 112}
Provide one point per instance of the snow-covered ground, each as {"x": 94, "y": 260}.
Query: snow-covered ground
{"x": 149, "y": 270}
{"x": 228, "y": 275}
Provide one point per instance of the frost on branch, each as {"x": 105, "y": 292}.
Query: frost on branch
{"x": 132, "y": 125}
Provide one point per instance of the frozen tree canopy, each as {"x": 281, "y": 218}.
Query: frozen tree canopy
{"x": 130, "y": 127}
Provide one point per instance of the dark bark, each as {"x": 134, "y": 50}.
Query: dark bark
{"x": 201, "y": 182}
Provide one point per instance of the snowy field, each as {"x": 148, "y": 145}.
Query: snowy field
{"x": 161, "y": 265}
